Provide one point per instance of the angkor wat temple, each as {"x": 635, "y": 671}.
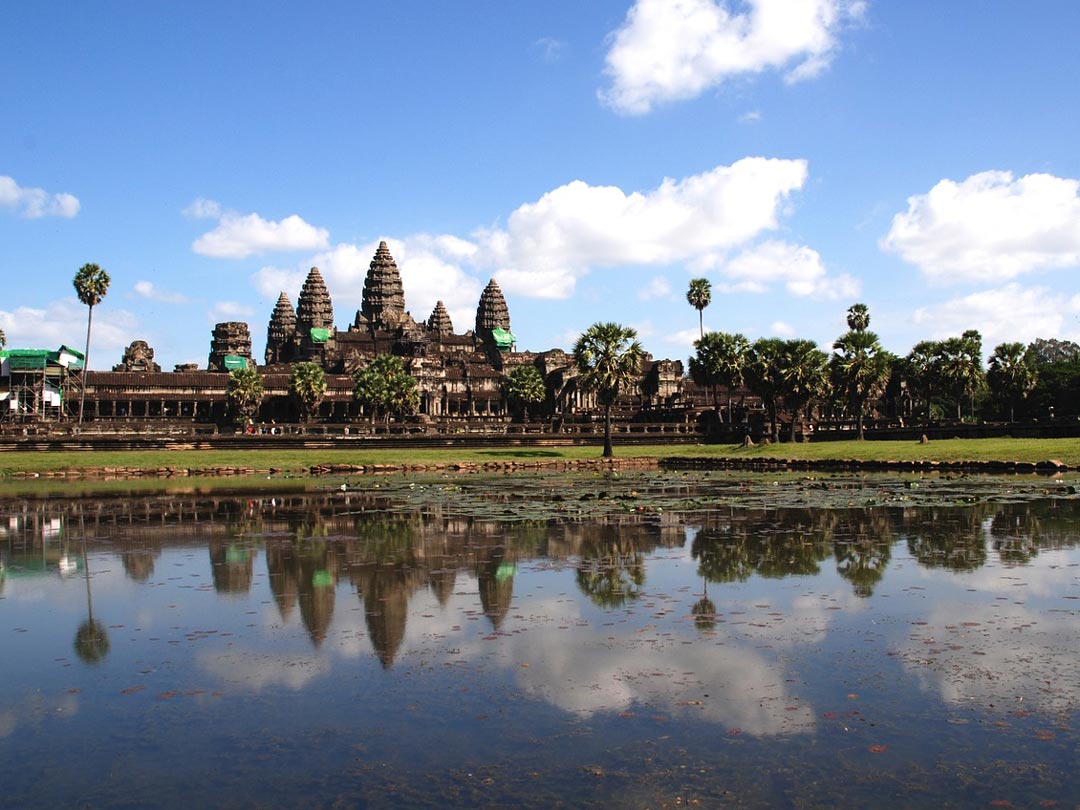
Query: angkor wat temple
{"x": 459, "y": 375}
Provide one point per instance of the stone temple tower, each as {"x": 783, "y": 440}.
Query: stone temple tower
{"x": 314, "y": 318}
{"x": 383, "y": 306}
{"x": 440, "y": 322}
{"x": 493, "y": 318}
{"x": 281, "y": 332}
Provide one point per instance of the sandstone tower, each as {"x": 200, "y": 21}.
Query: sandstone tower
{"x": 383, "y": 306}
{"x": 439, "y": 322}
{"x": 281, "y": 332}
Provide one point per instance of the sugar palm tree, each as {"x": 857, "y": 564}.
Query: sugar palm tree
{"x": 525, "y": 386}
{"x": 699, "y": 296}
{"x": 91, "y": 285}
{"x": 383, "y": 385}
{"x": 860, "y": 365}
{"x": 858, "y": 317}
{"x": 960, "y": 367}
{"x": 608, "y": 357}
{"x": 763, "y": 378}
{"x": 720, "y": 359}
{"x": 308, "y": 387}
{"x": 1013, "y": 373}
{"x": 804, "y": 377}
{"x": 244, "y": 392}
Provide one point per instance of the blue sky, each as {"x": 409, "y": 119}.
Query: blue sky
{"x": 803, "y": 155}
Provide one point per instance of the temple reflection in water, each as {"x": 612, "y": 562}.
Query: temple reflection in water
{"x": 388, "y": 551}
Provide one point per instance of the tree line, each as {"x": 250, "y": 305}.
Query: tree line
{"x": 937, "y": 379}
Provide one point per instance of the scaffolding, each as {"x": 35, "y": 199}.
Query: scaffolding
{"x": 39, "y": 385}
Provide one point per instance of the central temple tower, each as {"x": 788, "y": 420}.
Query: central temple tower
{"x": 383, "y": 305}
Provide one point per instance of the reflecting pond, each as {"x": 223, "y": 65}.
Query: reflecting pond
{"x": 640, "y": 640}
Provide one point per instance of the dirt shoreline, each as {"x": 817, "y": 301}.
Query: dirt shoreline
{"x": 1049, "y": 466}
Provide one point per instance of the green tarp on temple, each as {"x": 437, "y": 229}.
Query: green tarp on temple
{"x": 319, "y": 335}
{"x": 504, "y": 339}
{"x": 234, "y": 362}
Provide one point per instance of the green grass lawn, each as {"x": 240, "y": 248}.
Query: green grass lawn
{"x": 1065, "y": 450}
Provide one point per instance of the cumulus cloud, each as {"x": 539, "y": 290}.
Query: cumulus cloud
{"x": 229, "y": 311}
{"x": 684, "y": 338}
{"x": 799, "y": 268}
{"x": 203, "y": 209}
{"x": 990, "y": 227}
{"x": 1011, "y": 312}
{"x": 64, "y": 322}
{"x": 546, "y": 245}
{"x": 238, "y": 236}
{"x": 782, "y": 329}
{"x": 33, "y": 203}
{"x": 669, "y": 50}
{"x": 147, "y": 289}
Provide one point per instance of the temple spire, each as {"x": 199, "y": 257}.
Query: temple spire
{"x": 439, "y": 322}
{"x": 314, "y": 309}
{"x": 280, "y": 332}
{"x": 383, "y": 304}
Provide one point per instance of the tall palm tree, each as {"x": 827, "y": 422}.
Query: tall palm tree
{"x": 960, "y": 367}
{"x": 720, "y": 359}
{"x": 524, "y": 385}
{"x": 608, "y": 357}
{"x": 244, "y": 392}
{"x": 858, "y": 317}
{"x": 91, "y": 285}
{"x": 699, "y": 296}
{"x": 922, "y": 370}
{"x": 763, "y": 378}
{"x": 384, "y": 385}
{"x": 1012, "y": 374}
{"x": 308, "y": 387}
{"x": 860, "y": 365}
{"x": 804, "y": 377}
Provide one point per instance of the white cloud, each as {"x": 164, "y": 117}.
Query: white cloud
{"x": 202, "y": 208}
{"x": 548, "y": 244}
{"x": 684, "y": 338}
{"x": 549, "y": 48}
{"x": 33, "y": 203}
{"x": 64, "y": 322}
{"x": 658, "y": 287}
{"x": 668, "y": 50}
{"x": 990, "y": 227}
{"x": 147, "y": 289}
{"x": 751, "y": 117}
{"x": 782, "y": 329}
{"x": 238, "y": 236}
{"x": 1008, "y": 313}
{"x": 799, "y": 268}
{"x": 229, "y": 311}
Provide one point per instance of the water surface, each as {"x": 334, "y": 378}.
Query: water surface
{"x": 643, "y": 640}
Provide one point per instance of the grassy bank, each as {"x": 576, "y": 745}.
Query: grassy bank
{"x": 1035, "y": 450}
